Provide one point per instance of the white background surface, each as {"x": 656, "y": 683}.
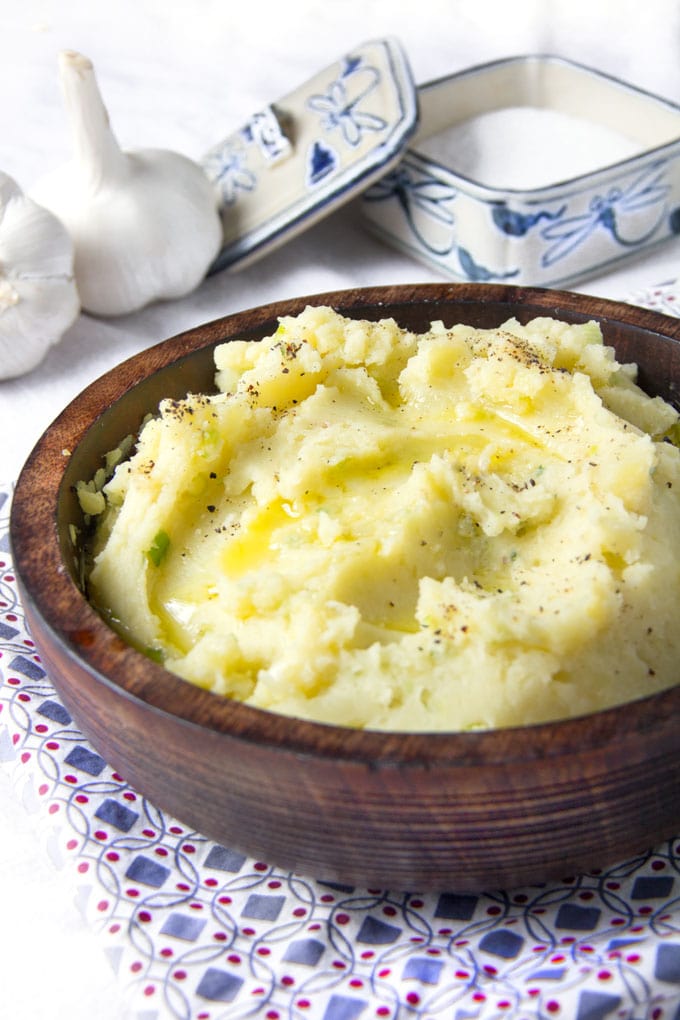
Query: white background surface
{"x": 182, "y": 75}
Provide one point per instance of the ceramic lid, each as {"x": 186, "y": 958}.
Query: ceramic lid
{"x": 313, "y": 150}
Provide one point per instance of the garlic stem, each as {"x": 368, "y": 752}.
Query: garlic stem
{"x": 97, "y": 154}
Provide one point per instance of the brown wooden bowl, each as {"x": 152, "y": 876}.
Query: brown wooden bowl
{"x": 409, "y": 811}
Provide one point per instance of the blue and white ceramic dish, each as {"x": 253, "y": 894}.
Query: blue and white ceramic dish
{"x": 532, "y": 170}
{"x": 311, "y": 151}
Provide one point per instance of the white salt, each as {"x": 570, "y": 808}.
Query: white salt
{"x": 524, "y": 147}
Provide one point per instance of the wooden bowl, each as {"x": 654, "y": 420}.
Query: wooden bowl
{"x": 405, "y": 811}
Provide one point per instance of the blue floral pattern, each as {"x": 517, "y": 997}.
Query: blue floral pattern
{"x": 339, "y": 106}
{"x": 199, "y": 931}
{"x": 226, "y": 165}
{"x": 310, "y": 151}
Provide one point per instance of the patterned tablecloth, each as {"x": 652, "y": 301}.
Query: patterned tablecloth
{"x": 196, "y": 930}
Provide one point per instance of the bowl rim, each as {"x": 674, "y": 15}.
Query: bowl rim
{"x": 93, "y": 646}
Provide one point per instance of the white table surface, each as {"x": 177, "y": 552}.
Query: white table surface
{"x": 181, "y": 75}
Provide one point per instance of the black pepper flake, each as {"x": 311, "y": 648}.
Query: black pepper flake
{"x": 211, "y": 508}
{"x": 213, "y": 474}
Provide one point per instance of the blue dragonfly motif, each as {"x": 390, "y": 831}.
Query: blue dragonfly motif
{"x": 607, "y": 212}
{"x": 424, "y": 202}
{"x": 478, "y": 273}
{"x": 518, "y": 224}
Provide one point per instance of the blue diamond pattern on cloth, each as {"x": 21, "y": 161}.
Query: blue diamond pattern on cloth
{"x": 307, "y": 951}
{"x": 262, "y": 907}
{"x": 576, "y": 918}
{"x": 7, "y": 632}
{"x": 377, "y": 933}
{"x": 667, "y": 963}
{"x": 423, "y": 968}
{"x": 87, "y": 761}
{"x": 56, "y": 712}
{"x": 596, "y": 1005}
{"x": 344, "y": 1007}
{"x": 118, "y": 815}
{"x": 231, "y": 974}
{"x": 455, "y": 907}
{"x": 506, "y": 944}
{"x": 223, "y": 859}
{"x": 219, "y": 985}
{"x": 181, "y": 926}
{"x": 652, "y": 887}
{"x": 26, "y": 666}
{"x": 143, "y": 869}
{"x": 548, "y": 974}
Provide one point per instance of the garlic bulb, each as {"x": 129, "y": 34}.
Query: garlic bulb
{"x": 145, "y": 224}
{"x": 38, "y": 296}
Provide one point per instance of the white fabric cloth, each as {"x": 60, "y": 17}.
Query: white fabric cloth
{"x": 182, "y": 75}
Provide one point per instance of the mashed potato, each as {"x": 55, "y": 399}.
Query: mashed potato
{"x": 457, "y": 530}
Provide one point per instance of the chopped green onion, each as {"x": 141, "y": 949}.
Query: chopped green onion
{"x": 155, "y": 654}
{"x": 673, "y": 434}
{"x": 158, "y": 549}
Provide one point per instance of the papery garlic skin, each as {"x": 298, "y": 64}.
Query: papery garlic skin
{"x": 38, "y": 296}
{"x": 130, "y": 251}
{"x": 145, "y": 225}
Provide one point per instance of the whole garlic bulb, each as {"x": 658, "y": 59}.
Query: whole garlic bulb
{"x": 145, "y": 224}
{"x": 38, "y": 296}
